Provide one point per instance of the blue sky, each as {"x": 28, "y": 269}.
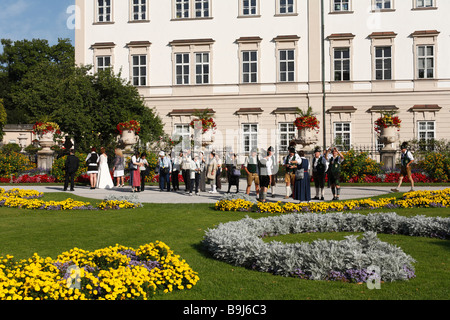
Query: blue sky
{"x": 35, "y": 19}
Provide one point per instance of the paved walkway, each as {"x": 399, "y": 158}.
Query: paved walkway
{"x": 152, "y": 194}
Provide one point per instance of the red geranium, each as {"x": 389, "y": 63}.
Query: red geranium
{"x": 129, "y": 125}
{"x": 387, "y": 120}
{"x": 207, "y": 124}
{"x": 307, "y": 120}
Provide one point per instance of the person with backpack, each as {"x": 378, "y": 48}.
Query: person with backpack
{"x": 92, "y": 162}
{"x": 319, "y": 167}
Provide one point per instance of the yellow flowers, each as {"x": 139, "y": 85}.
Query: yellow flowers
{"x": 28, "y": 199}
{"x": 440, "y": 198}
{"x": 113, "y": 273}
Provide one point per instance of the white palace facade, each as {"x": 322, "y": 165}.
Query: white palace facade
{"x": 254, "y": 62}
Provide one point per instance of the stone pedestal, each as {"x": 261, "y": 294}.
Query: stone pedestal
{"x": 388, "y": 158}
{"x": 45, "y": 156}
{"x": 45, "y": 159}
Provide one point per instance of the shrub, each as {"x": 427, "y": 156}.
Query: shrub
{"x": 358, "y": 164}
{"x": 58, "y": 167}
{"x": 14, "y": 163}
{"x": 437, "y": 166}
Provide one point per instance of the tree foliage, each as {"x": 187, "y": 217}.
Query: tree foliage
{"x": 44, "y": 83}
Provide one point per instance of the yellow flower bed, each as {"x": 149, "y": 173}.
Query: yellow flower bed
{"x": 113, "y": 273}
{"x": 29, "y": 199}
{"x": 415, "y": 199}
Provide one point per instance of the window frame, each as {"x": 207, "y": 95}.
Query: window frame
{"x": 383, "y": 59}
{"x": 132, "y": 13}
{"x": 425, "y": 58}
{"x": 140, "y": 66}
{"x": 279, "y": 7}
{"x": 290, "y": 134}
{"x": 342, "y": 60}
{"x": 242, "y": 8}
{"x": 185, "y": 144}
{"x": 250, "y": 134}
{"x": 342, "y": 132}
{"x": 424, "y": 6}
{"x": 97, "y": 15}
{"x": 104, "y": 67}
{"x": 334, "y": 3}
{"x": 191, "y": 11}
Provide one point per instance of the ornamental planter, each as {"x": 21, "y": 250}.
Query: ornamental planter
{"x": 46, "y": 141}
{"x": 208, "y": 138}
{"x": 129, "y": 138}
{"x": 388, "y": 136}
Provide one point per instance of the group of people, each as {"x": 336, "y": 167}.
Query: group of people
{"x": 261, "y": 171}
{"x": 196, "y": 171}
{"x": 200, "y": 170}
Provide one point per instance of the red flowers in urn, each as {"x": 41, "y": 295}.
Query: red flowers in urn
{"x": 387, "y": 119}
{"x": 41, "y": 128}
{"x": 307, "y": 120}
{"x": 205, "y": 116}
{"x": 129, "y": 125}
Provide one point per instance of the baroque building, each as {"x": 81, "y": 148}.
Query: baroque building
{"x": 254, "y": 62}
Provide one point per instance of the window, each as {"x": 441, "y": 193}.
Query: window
{"x": 139, "y": 70}
{"x": 183, "y": 131}
{"x": 286, "y": 6}
{"x": 249, "y": 7}
{"x": 287, "y": 65}
{"x": 383, "y": 63}
{"x": 341, "y": 64}
{"x": 186, "y": 9}
{"x": 249, "y": 66}
{"x": 287, "y": 132}
{"x": 182, "y": 68}
{"x": 383, "y": 4}
{"x": 192, "y": 61}
{"x": 425, "y": 62}
{"x": 341, "y": 5}
{"x": 182, "y": 9}
{"x": 202, "y": 68}
{"x": 201, "y": 8}
{"x": 250, "y": 137}
{"x": 426, "y": 134}
{"x": 342, "y": 135}
{"x": 103, "y": 63}
{"x": 104, "y": 11}
{"x": 424, "y": 3}
{"x": 139, "y": 10}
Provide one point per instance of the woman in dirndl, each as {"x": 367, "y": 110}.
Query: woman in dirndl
{"x": 302, "y": 188}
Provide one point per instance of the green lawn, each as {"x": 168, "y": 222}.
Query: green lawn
{"x": 181, "y": 227}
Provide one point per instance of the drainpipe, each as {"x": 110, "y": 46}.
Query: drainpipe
{"x": 323, "y": 75}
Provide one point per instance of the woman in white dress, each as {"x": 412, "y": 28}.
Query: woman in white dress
{"x": 104, "y": 180}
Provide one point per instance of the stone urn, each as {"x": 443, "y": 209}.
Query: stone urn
{"x": 388, "y": 136}
{"x": 129, "y": 139}
{"x": 208, "y": 137}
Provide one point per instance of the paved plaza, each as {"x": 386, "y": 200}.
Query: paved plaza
{"x": 152, "y": 194}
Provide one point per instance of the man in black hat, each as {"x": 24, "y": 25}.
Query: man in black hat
{"x": 320, "y": 166}
{"x": 406, "y": 160}
{"x": 71, "y": 167}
